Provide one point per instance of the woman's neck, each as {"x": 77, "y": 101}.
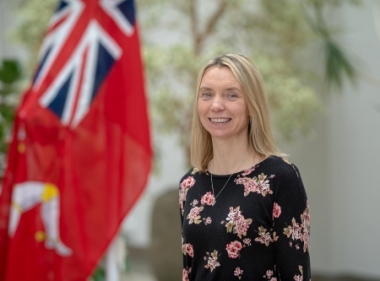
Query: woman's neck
{"x": 231, "y": 157}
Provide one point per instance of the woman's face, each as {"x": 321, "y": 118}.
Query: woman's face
{"x": 222, "y": 108}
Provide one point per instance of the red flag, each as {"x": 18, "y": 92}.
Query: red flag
{"x": 81, "y": 152}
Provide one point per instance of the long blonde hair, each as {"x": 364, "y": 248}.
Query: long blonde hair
{"x": 260, "y": 131}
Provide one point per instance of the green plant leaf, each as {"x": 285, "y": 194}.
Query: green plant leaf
{"x": 10, "y": 71}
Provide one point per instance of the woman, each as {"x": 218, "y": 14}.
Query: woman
{"x": 243, "y": 206}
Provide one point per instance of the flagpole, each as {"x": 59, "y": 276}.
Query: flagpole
{"x": 112, "y": 272}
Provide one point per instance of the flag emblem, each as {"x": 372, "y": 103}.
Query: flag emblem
{"x": 78, "y": 78}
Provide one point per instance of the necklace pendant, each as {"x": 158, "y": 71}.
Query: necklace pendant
{"x": 214, "y": 202}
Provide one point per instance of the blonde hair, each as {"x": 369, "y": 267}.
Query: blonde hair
{"x": 260, "y": 132}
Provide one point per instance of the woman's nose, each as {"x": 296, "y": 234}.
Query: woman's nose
{"x": 217, "y": 104}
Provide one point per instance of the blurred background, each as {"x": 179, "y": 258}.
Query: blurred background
{"x": 320, "y": 60}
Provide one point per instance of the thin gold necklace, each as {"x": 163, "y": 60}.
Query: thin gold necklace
{"x": 212, "y": 184}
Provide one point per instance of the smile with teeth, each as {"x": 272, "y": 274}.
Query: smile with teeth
{"x": 220, "y": 120}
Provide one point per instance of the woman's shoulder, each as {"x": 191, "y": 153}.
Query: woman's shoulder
{"x": 281, "y": 167}
{"x": 189, "y": 175}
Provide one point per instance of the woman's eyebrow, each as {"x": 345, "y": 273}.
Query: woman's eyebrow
{"x": 233, "y": 89}
{"x": 205, "y": 89}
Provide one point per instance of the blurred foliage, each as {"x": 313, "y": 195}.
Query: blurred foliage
{"x": 181, "y": 36}
{"x": 337, "y": 63}
{"x": 10, "y": 74}
{"x": 33, "y": 17}
{"x": 99, "y": 274}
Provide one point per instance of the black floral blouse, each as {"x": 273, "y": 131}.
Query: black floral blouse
{"x": 258, "y": 228}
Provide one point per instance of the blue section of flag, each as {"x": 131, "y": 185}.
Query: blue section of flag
{"x": 58, "y": 103}
{"x": 41, "y": 65}
{"x": 62, "y": 4}
{"x": 104, "y": 63}
{"x": 127, "y": 7}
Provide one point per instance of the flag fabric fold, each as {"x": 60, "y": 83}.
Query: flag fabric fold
{"x": 81, "y": 150}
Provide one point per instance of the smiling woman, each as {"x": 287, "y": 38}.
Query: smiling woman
{"x": 222, "y": 108}
{"x": 244, "y": 209}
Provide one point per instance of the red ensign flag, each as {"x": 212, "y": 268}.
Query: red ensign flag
{"x": 81, "y": 151}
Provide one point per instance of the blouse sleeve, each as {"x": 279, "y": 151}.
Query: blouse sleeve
{"x": 187, "y": 249}
{"x": 291, "y": 220}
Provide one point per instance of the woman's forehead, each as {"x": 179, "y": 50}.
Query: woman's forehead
{"x": 219, "y": 76}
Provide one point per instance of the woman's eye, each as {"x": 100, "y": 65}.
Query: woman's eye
{"x": 232, "y": 95}
{"x": 206, "y": 95}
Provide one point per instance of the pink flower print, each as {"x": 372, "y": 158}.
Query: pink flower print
{"x": 263, "y": 185}
{"x": 265, "y": 237}
{"x": 242, "y": 226}
{"x": 305, "y": 239}
{"x": 276, "y": 210}
{"x": 247, "y": 241}
{"x": 194, "y": 203}
{"x": 185, "y": 185}
{"x": 234, "y": 214}
{"x": 238, "y": 272}
{"x": 212, "y": 260}
{"x": 188, "y": 249}
{"x": 233, "y": 249}
{"x": 182, "y": 199}
{"x": 269, "y": 275}
{"x": 288, "y": 231}
{"x": 301, "y": 232}
{"x": 305, "y": 224}
{"x": 249, "y": 170}
{"x": 185, "y": 274}
{"x": 208, "y": 221}
{"x": 299, "y": 277}
{"x": 207, "y": 199}
{"x": 236, "y": 223}
{"x": 188, "y": 182}
{"x": 250, "y": 185}
{"x": 194, "y": 216}
{"x": 305, "y": 218}
{"x": 258, "y": 184}
{"x": 296, "y": 230}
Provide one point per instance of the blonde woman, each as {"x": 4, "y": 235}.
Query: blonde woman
{"x": 244, "y": 209}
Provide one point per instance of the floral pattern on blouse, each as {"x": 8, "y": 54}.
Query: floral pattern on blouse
{"x": 299, "y": 277}
{"x": 299, "y": 231}
{"x": 265, "y": 237}
{"x": 207, "y": 199}
{"x": 238, "y": 272}
{"x": 237, "y": 224}
{"x": 276, "y": 211}
{"x": 185, "y": 274}
{"x": 187, "y": 249}
{"x": 212, "y": 260}
{"x": 269, "y": 275}
{"x": 259, "y": 184}
{"x": 233, "y": 249}
{"x": 193, "y": 215}
{"x": 184, "y": 187}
